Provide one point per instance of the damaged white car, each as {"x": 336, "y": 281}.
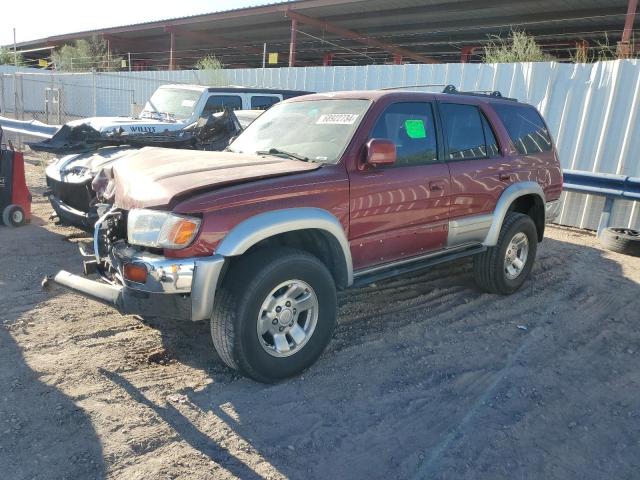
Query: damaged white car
{"x": 176, "y": 116}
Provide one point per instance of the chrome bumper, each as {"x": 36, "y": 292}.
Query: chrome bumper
{"x": 176, "y": 288}
{"x": 552, "y": 210}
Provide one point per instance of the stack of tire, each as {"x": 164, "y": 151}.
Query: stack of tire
{"x": 621, "y": 240}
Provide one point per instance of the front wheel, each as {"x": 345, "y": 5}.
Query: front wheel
{"x": 275, "y": 313}
{"x": 504, "y": 268}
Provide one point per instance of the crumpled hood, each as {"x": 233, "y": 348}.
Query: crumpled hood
{"x": 80, "y": 167}
{"x": 131, "y": 126}
{"x": 152, "y": 176}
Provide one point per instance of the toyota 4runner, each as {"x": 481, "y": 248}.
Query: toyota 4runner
{"x": 321, "y": 193}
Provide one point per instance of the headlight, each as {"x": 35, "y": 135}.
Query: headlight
{"x": 152, "y": 228}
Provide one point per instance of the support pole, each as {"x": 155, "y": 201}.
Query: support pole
{"x": 264, "y": 55}
{"x": 172, "y": 62}
{"x": 294, "y": 40}
{"x": 327, "y": 59}
{"x": 15, "y": 49}
{"x": 605, "y": 215}
{"x": 624, "y": 48}
{"x": 465, "y": 54}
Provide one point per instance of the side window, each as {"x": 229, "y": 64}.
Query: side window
{"x": 262, "y": 102}
{"x": 217, "y": 103}
{"x": 468, "y": 132}
{"x": 525, "y": 127}
{"x": 411, "y": 127}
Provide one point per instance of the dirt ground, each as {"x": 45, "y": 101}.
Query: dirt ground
{"x": 426, "y": 377}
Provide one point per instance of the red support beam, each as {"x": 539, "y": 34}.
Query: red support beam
{"x": 327, "y": 59}
{"x": 294, "y": 42}
{"x": 628, "y": 20}
{"x": 624, "y": 47}
{"x": 355, "y": 36}
{"x": 465, "y": 54}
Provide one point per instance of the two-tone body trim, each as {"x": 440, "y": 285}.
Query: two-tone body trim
{"x": 505, "y": 201}
{"x": 266, "y": 225}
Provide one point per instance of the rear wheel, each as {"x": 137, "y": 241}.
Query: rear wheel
{"x": 13, "y": 216}
{"x": 504, "y": 268}
{"x": 275, "y": 313}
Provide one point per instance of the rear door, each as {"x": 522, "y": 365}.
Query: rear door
{"x": 479, "y": 170}
{"x": 401, "y": 211}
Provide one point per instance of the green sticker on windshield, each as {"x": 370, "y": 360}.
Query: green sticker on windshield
{"x": 415, "y": 128}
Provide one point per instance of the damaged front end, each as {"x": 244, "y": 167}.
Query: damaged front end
{"x": 139, "y": 280}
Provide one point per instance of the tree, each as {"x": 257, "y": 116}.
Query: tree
{"x": 7, "y": 57}
{"x": 85, "y": 55}
{"x": 519, "y": 47}
{"x": 212, "y": 70}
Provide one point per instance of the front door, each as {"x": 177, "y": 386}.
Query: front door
{"x": 402, "y": 210}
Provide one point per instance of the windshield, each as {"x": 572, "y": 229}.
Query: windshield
{"x": 316, "y": 129}
{"x": 171, "y": 104}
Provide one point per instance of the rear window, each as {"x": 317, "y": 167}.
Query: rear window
{"x": 217, "y": 103}
{"x": 525, "y": 128}
{"x": 263, "y": 102}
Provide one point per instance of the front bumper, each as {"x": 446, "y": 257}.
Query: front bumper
{"x": 175, "y": 288}
{"x": 72, "y": 202}
{"x": 71, "y": 216}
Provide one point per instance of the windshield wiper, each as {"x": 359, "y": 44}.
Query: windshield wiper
{"x": 277, "y": 151}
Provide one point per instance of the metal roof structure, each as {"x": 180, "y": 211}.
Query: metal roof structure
{"x": 357, "y": 32}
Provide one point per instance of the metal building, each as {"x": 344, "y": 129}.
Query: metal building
{"x": 359, "y": 32}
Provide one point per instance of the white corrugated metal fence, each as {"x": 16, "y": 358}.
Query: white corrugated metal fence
{"x": 591, "y": 109}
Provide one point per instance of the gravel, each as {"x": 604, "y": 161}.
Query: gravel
{"x": 426, "y": 377}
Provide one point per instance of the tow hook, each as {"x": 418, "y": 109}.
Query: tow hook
{"x": 46, "y": 283}
{"x": 89, "y": 267}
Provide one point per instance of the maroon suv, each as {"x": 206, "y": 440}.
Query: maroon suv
{"x": 320, "y": 193}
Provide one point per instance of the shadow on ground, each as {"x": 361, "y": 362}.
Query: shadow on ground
{"x": 43, "y": 434}
{"x": 429, "y": 378}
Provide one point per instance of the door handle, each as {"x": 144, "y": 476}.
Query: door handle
{"x": 504, "y": 177}
{"x": 436, "y": 186}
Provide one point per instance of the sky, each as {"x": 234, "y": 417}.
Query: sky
{"x": 35, "y": 19}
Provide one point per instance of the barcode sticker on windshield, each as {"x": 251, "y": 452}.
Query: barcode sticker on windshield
{"x": 188, "y": 103}
{"x": 337, "y": 119}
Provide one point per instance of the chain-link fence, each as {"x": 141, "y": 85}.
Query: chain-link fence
{"x": 59, "y": 98}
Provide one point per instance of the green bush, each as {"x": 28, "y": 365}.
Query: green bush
{"x": 86, "y": 55}
{"x": 212, "y": 71}
{"x": 7, "y": 57}
{"x": 519, "y": 47}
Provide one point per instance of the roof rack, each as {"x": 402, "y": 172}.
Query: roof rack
{"x": 451, "y": 89}
{"x": 416, "y": 86}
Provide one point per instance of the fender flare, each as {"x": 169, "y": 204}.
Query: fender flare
{"x": 510, "y": 194}
{"x": 265, "y": 225}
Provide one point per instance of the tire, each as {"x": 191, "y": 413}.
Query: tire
{"x": 621, "y": 240}
{"x": 248, "y": 294}
{"x": 492, "y": 272}
{"x": 13, "y": 216}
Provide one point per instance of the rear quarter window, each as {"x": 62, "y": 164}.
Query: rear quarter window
{"x": 525, "y": 128}
{"x": 217, "y": 103}
{"x": 263, "y": 102}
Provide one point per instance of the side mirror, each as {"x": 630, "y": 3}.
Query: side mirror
{"x": 381, "y": 152}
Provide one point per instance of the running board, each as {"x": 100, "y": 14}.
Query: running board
{"x": 365, "y": 277}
